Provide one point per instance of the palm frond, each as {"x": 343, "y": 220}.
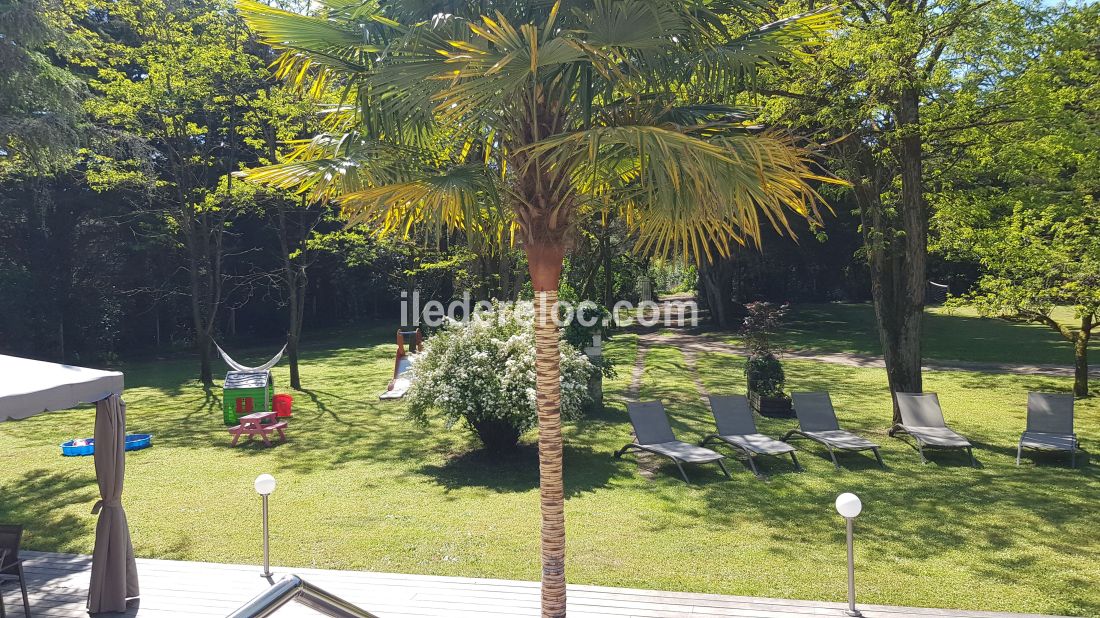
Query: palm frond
{"x": 631, "y": 24}
{"x": 315, "y": 44}
{"x": 488, "y": 122}
{"x": 462, "y": 197}
{"x": 730, "y": 66}
{"x": 682, "y": 194}
{"x": 328, "y": 166}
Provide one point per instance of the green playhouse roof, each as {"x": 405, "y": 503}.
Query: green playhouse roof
{"x": 247, "y": 379}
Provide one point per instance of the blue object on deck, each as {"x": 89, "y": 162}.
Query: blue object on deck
{"x": 134, "y": 442}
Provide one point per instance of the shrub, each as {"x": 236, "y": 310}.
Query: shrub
{"x": 482, "y": 372}
{"x": 580, "y": 336}
{"x": 763, "y": 371}
{"x": 764, "y": 374}
{"x": 760, "y": 324}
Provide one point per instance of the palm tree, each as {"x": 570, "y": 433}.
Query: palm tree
{"x": 512, "y": 120}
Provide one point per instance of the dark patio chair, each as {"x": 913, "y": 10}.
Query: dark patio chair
{"x": 736, "y": 427}
{"x": 1049, "y": 425}
{"x": 11, "y": 566}
{"x": 653, "y": 434}
{"x": 922, "y": 418}
{"x": 817, "y": 421}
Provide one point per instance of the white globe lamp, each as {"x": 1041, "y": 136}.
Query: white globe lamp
{"x": 849, "y": 506}
{"x": 265, "y": 485}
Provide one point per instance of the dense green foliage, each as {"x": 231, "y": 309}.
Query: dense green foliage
{"x": 1021, "y": 200}
{"x": 623, "y": 130}
{"x": 120, "y": 125}
{"x": 41, "y": 120}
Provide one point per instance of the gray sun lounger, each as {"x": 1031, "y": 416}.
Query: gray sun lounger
{"x": 1049, "y": 425}
{"x": 654, "y": 435}
{"x": 737, "y": 428}
{"x": 817, "y": 421}
{"x": 922, "y": 418}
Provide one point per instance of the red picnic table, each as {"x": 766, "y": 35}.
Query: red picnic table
{"x": 256, "y": 424}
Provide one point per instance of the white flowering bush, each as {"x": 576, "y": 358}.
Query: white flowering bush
{"x": 482, "y": 372}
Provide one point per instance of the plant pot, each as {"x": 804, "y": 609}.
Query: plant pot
{"x": 775, "y": 407}
{"x": 496, "y": 435}
{"x": 595, "y": 391}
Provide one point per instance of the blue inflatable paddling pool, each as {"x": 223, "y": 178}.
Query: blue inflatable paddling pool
{"x": 78, "y": 448}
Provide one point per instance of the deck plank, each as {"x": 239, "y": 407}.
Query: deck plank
{"x": 178, "y": 589}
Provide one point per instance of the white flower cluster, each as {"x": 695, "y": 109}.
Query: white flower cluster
{"x": 483, "y": 370}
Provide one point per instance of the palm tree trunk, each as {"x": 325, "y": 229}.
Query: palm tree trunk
{"x": 552, "y": 491}
{"x": 545, "y": 264}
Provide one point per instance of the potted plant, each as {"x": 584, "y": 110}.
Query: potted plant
{"x": 763, "y": 371}
{"x": 586, "y": 332}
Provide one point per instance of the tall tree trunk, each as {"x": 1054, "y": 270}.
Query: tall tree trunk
{"x": 202, "y": 340}
{"x": 206, "y": 370}
{"x": 904, "y": 360}
{"x": 608, "y": 267}
{"x": 294, "y": 332}
{"x": 897, "y": 247}
{"x": 1081, "y": 357}
{"x": 297, "y": 318}
{"x": 716, "y": 286}
{"x": 294, "y": 279}
{"x": 292, "y": 354}
{"x": 899, "y": 326}
{"x": 545, "y": 264}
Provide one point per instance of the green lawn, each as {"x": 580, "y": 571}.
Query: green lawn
{"x": 361, "y": 488}
{"x": 950, "y": 334}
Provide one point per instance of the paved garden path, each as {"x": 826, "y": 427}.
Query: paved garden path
{"x": 693, "y": 344}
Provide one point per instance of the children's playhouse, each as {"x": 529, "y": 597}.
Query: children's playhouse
{"x": 245, "y": 392}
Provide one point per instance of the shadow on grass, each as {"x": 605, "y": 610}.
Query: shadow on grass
{"x": 518, "y": 470}
{"x": 323, "y": 409}
{"x": 1041, "y": 457}
{"x": 49, "y": 529}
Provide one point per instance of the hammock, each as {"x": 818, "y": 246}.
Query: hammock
{"x": 239, "y": 367}
{"x": 936, "y": 293}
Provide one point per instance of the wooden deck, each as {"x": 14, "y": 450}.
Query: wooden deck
{"x": 171, "y": 589}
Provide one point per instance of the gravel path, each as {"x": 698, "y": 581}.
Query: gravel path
{"x": 694, "y": 344}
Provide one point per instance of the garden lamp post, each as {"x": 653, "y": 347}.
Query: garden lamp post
{"x": 849, "y": 506}
{"x": 265, "y": 484}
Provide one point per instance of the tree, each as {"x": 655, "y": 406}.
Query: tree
{"x": 1021, "y": 199}
{"x": 716, "y": 287}
{"x": 41, "y": 119}
{"x": 629, "y": 107}
{"x": 276, "y": 117}
{"x": 893, "y": 88}
{"x": 57, "y": 268}
{"x": 179, "y": 76}
{"x": 1038, "y": 261}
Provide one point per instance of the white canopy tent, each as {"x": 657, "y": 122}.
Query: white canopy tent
{"x": 29, "y": 387}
